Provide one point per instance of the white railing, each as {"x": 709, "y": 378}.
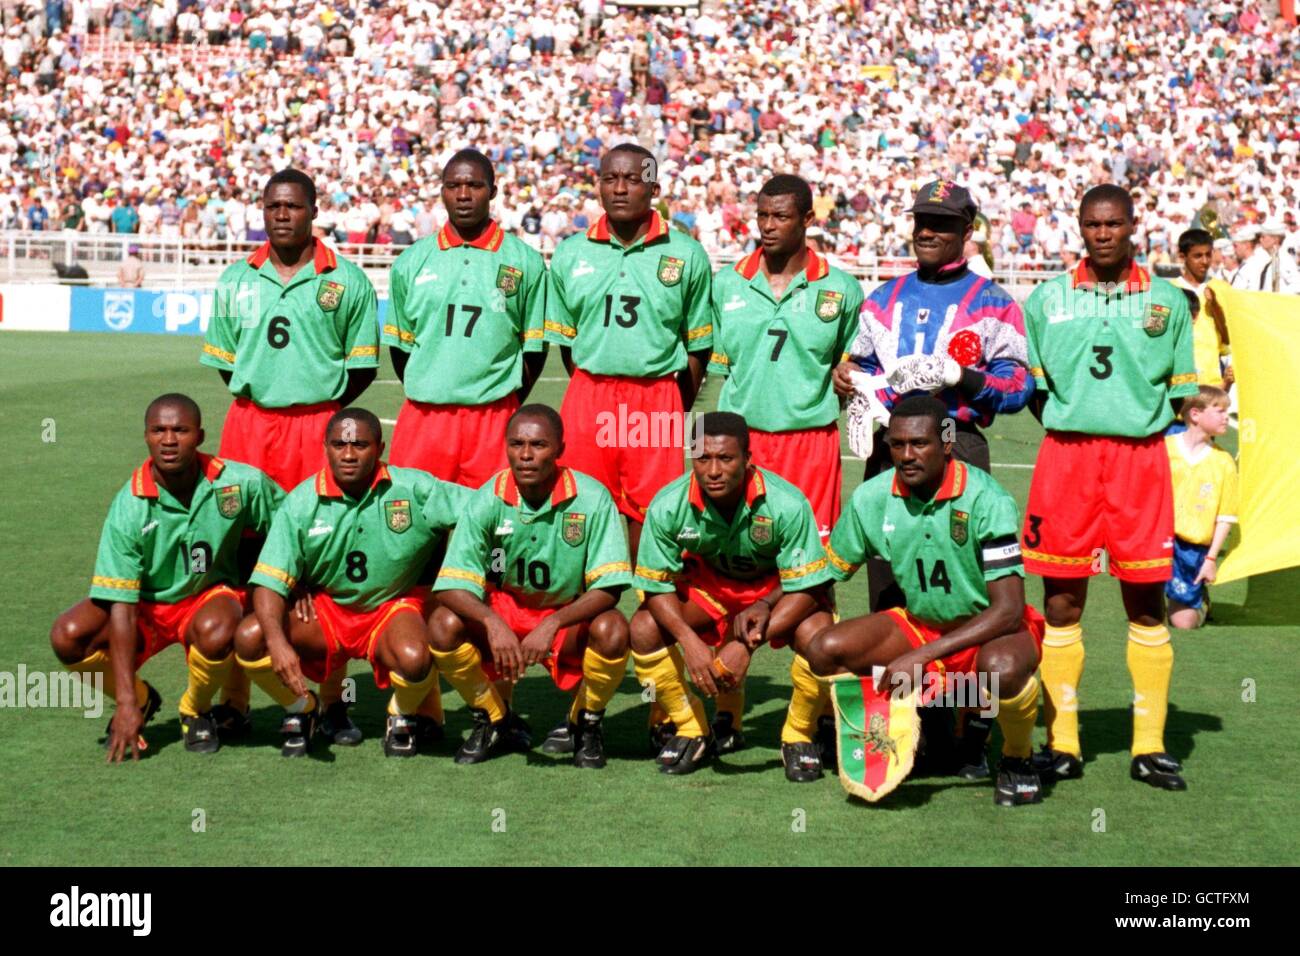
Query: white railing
{"x": 184, "y": 263}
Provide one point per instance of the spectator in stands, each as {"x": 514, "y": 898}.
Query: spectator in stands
{"x": 130, "y": 274}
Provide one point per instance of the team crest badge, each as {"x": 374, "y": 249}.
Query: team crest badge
{"x": 329, "y": 296}
{"x": 1157, "y": 320}
{"x": 575, "y": 528}
{"x": 828, "y": 304}
{"x": 508, "y": 279}
{"x": 876, "y": 735}
{"x": 670, "y": 270}
{"x": 958, "y": 526}
{"x": 398, "y": 515}
{"x": 229, "y": 501}
{"x": 760, "y": 529}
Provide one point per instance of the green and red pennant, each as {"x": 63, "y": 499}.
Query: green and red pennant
{"x": 876, "y": 735}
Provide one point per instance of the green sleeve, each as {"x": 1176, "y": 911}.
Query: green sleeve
{"x": 997, "y": 531}
{"x": 849, "y": 314}
{"x": 849, "y": 546}
{"x": 1182, "y": 382}
{"x": 119, "y": 563}
{"x": 607, "y": 557}
{"x": 801, "y": 561}
{"x": 280, "y": 563}
{"x": 361, "y": 340}
{"x": 561, "y": 326}
{"x": 222, "y": 337}
{"x": 659, "y": 556}
{"x": 535, "y": 293}
{"x": 399, "y": 329}
{"x": 1033, "y": 326}
{"x": 465, "y": 567}
{"x": 719, "y": 361}
{"x": 265, "y": 497}
{"x": 699, "y": 302}
{"x": 444, "y": 503}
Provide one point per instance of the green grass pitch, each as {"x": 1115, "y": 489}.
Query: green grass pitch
{"x": 60, "y": 804}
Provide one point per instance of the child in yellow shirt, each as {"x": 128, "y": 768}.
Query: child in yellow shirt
{"x": 1205, "y": 504}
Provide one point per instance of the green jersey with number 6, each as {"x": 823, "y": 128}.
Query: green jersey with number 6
{"x": 291, "y": 343}
{"x": 360, "y": 552}
{"x": 944, "y": 551}
{"x": 466, "y": 312}
{"x": 633, "y": 311}
{"x": 545, "y": 556}
{"x": 1109, "y": 361}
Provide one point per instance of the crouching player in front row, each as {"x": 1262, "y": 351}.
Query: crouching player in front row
{"x": 166, "y": 573}
{"x": 354, "y": 539}
{"x": 950, "y": 534}
{"x": 730, "y": 559}
{"x": 532, "y": 576}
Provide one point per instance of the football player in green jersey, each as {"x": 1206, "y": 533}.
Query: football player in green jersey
{"x": 532, "y": 576}
{"x": 356, "y": 537}
{"x": 166, "y": 573}
{"x": 730, "y": 559}
{"x": 948, "y": 531}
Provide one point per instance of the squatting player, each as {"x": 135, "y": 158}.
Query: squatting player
{"x": 464, "y": 328}
{"x": 1110, "y": 346}
{"x": 294, "y": 335}
{"x": 166, "y": 573}
{"x": 629, "y": 306}
{"x": 730, "y": 559}
{"x": 532, "y": 576}
{"x": 356, "y": 536}
{"x": 948, "y": 531}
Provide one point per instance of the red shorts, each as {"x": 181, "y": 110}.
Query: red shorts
{"x": 627, "y": 433}
{"x": 1091, "y": 492}
{"x": 963, "y": 662}
{"x": 351, "y": 635}
{"x": 810, "y": 460}
{"x": 286, "y": 443}
{"x": 163, "y": 624}
{"x": 722, "y": 598}
{"x": 464, "y": 444}
{"x": 565, "y": 671}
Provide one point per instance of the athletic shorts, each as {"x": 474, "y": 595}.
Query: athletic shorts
{"x": 627, "y": 433}
{"x": 286, "y": 443}
{"x": 1188, "y": 559}
{"x": 1091, "y": 492}
{"x": 721, "y": 597}
{"x": 463, "y": 444}
{"x": 810, "y": 460}
{"x": 351, "y": 635}
{"x": 963, "y": 662}
{"x": 565, "y": 671}
{"x": 161, "y": 625}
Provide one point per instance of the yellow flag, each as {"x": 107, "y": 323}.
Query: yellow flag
{"x": 1265, "y": 332}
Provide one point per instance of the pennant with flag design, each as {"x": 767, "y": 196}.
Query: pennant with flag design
{"x": 876, "y": 735}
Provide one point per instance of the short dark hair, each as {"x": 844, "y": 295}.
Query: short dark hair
{"x": 724, "y": 425}
{"x": 636, "y": 150}
{"x": 788, "y": 185}
{"x": 294, "y": 177}
{"x": 175, "y": 400}
{"x": 1193, "y": 302}
{"x": 471, "y": 155}
{"x": 922, "y": 406}
{"x": 1107, "y": 192}
{"x": 545, "y": 413}
{"x": 1192, "y": 238}
{"x": 356, "y": 414}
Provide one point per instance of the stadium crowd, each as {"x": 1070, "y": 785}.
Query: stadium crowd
{"x": 1028, "y": 103}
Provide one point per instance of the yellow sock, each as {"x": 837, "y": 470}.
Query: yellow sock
{"x": 806, "y": 704}
{"x": 263, "y": 675}
{"x": 206, "y": 676}
{"x": 431, "y": 706}
{"x": 600, "y": 679}
{"x": 463, "y": 669}
{"x": 665, "y": 671}
{"x": 237, "y": 688}
{"x": 331, "y": 688}
{"x": 1151, "y": 665}
{"x": 733, "y": 703}
{"x": 1016, "y": 716}
{"x": 1062, "y": 669}
{"x": 409, "y": 696}
{"x": 98, "y": 663}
